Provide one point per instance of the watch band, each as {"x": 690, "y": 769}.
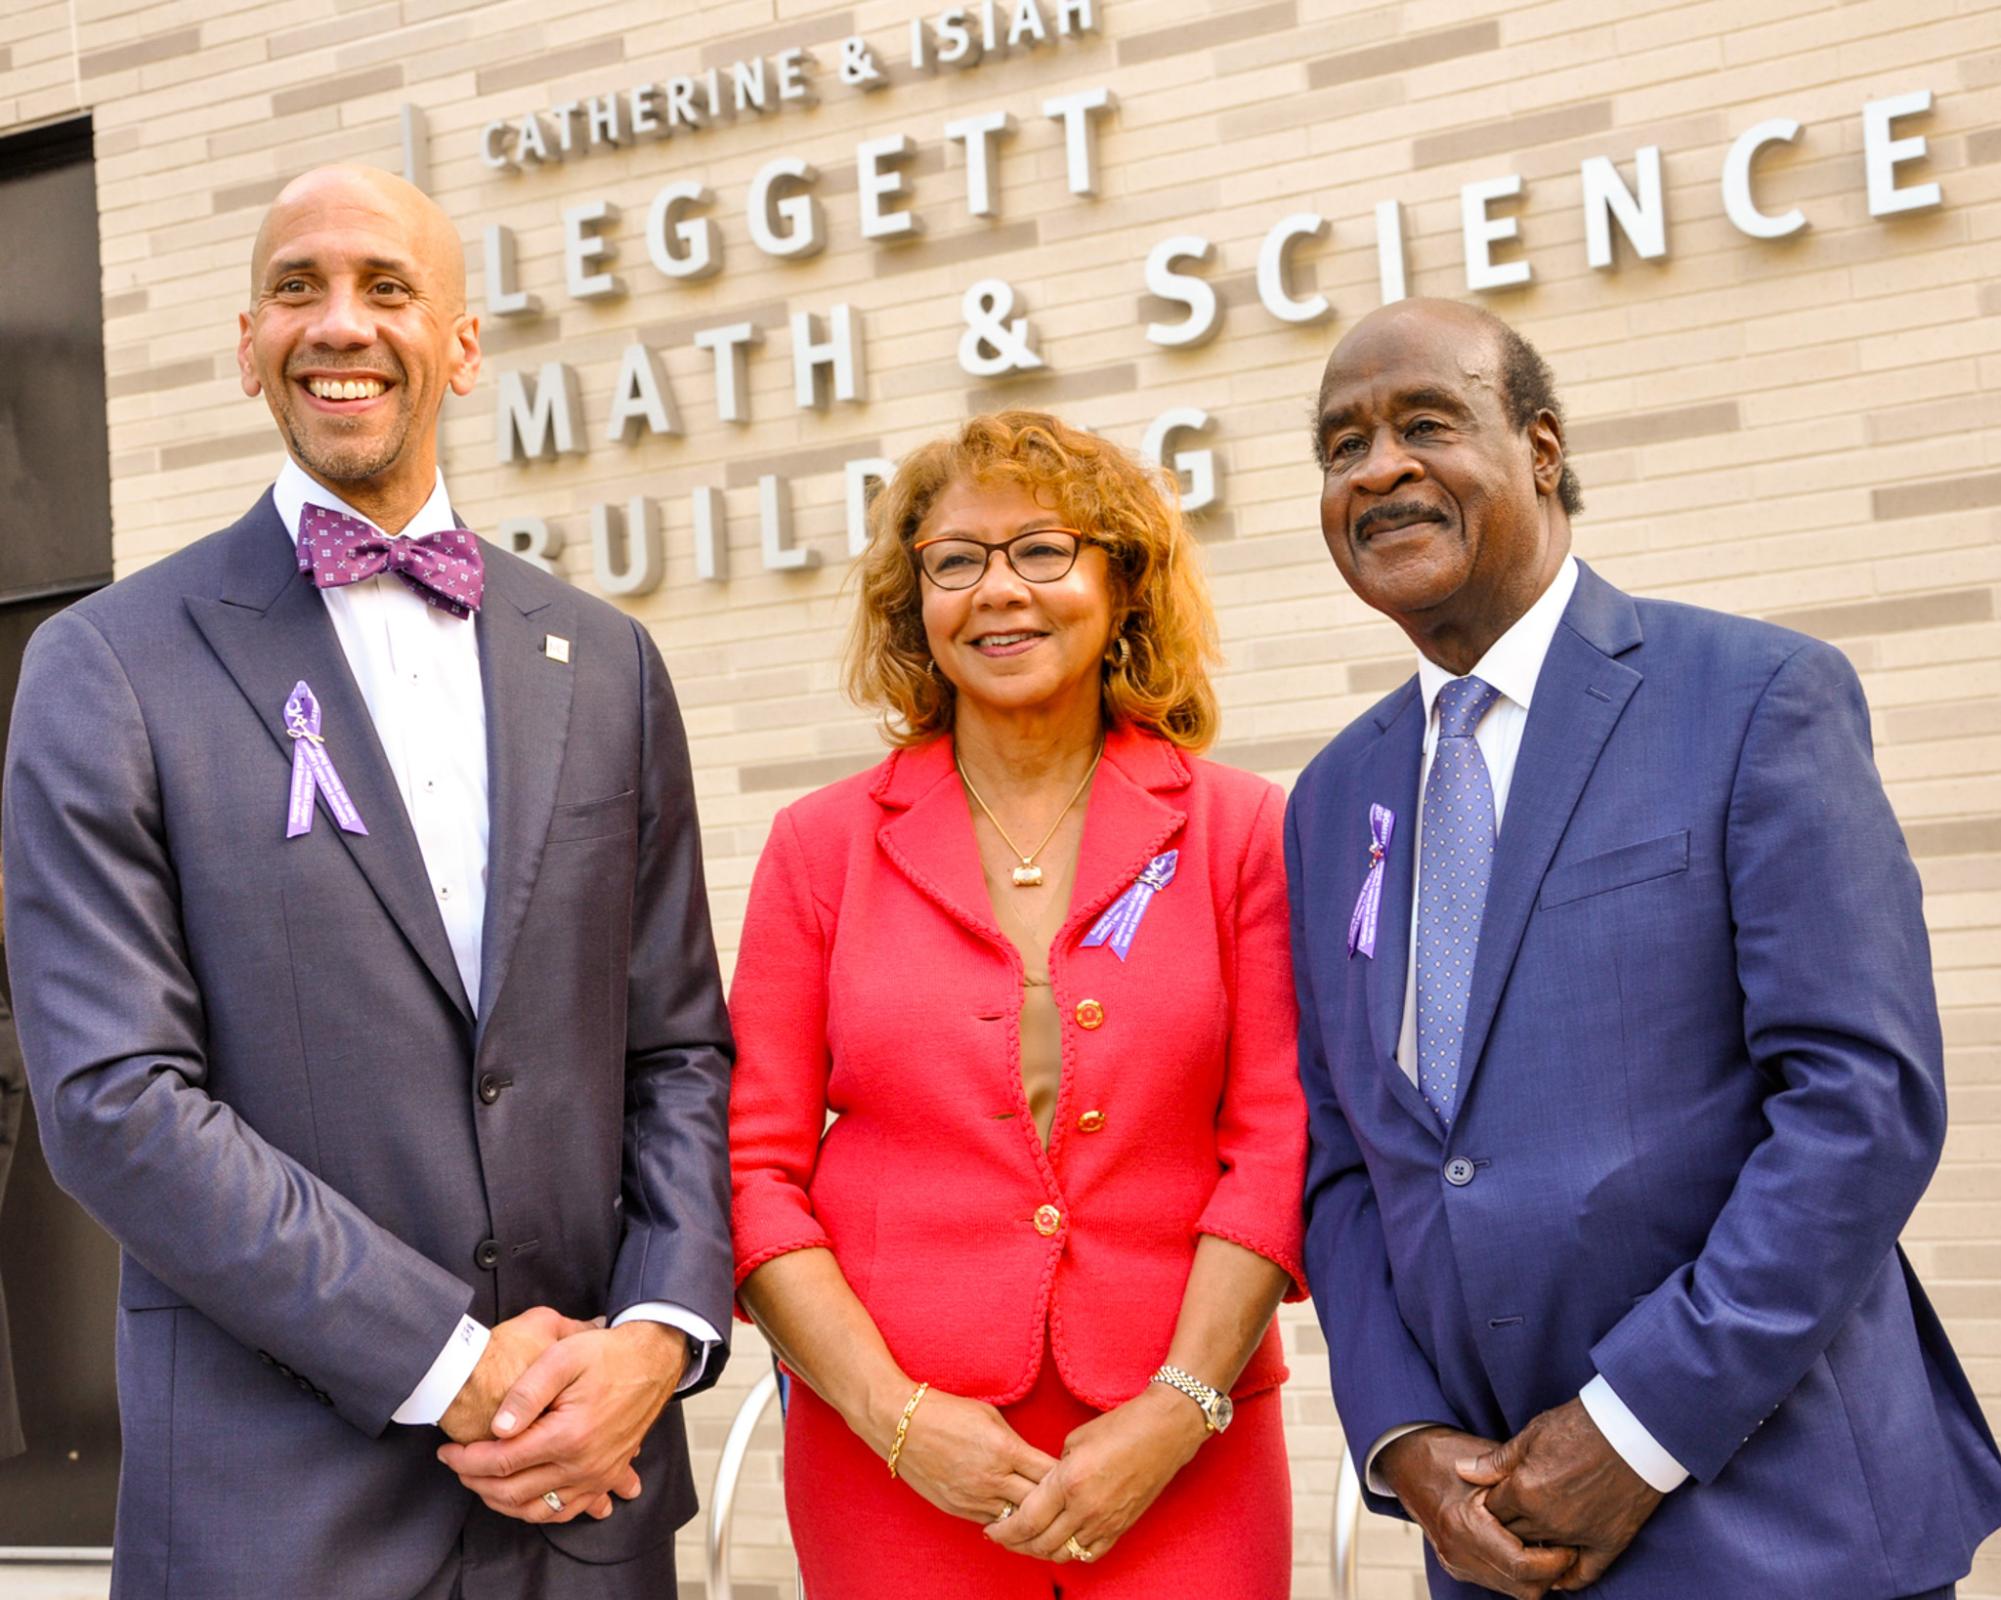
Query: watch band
{"x": 1195, "y": 1389}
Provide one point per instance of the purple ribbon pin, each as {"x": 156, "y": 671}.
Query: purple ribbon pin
{"x": 313, "y": 769}
{"x": 1121, "y": 919}
{"x": 1368, "y": 904}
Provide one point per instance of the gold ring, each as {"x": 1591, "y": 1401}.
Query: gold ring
{"x": 1007, "y": 1510}
{"x": 1077, "y": 1549}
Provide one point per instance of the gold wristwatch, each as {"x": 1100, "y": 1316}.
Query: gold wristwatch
{"x": 1217, "y": 1411}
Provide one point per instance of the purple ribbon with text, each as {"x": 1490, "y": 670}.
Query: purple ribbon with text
{"x": 1369, "y": 903}
{"x": 1121, "y": 919}
{"x": 313, "y": 769}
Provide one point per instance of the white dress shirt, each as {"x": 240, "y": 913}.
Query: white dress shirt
{"x": 418, "y": 671}
{"x": 1512, "y": 665}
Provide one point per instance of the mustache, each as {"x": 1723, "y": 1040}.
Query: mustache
{"x": 1395, "y": 511}
{"x": 329, "y": 361}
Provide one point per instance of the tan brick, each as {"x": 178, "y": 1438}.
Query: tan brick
{"x": 805, "y": 32}
{"x": 1417, "y": 50}
{"x": 800, "y": 463}
{"x": 120, "y": 58}
{"x": 552, "y": 66}
{"x": 314, "y": 94}
{"x": 227, "y": 447}
{"x": 1931, "y": 499}
{"x": 1655, "y": 427}
{"x": 1226, "y": 27}
{"x": 151, "y": 380}
{"x": 978, "y": 243}
{"x": 1515, "y": 133}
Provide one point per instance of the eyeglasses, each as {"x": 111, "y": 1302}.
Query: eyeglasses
{"x": 1041, "y": 555}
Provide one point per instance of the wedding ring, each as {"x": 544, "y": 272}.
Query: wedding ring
{"x": 1077, "y": 1549}
{"x": 1007, "y": 1511}
{"x": 553, "y": 1500}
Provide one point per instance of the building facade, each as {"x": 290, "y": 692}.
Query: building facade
{"x": 733, "y": 257}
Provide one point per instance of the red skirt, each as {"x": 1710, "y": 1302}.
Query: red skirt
{"x": 1222, "y": 1529}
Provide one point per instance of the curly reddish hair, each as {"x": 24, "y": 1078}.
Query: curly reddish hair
{"x": 1160, "y": 603}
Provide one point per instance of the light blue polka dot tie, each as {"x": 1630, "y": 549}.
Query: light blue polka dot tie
{"x": 1458, "y": 858}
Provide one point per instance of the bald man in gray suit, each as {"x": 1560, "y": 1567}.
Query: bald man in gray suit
{"x": 369, "y": 1000}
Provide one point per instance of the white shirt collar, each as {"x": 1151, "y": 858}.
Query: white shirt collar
{"x": 1513, "y": 662}
{"x": 296, "y": 489}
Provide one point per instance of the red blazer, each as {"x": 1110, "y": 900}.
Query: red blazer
{"x": 872, "y": 982}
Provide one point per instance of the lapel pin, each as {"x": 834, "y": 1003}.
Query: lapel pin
{"x": 556, "y": 647}
{"x": 1121, "y": 920}
{"x": 313, "y": 769}
{"x": 1368, "y": 904}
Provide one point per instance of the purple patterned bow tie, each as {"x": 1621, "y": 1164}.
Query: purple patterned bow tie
{"x": 444, "y": 568}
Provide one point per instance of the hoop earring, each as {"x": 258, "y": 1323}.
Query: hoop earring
{"x": 1121, "y": 654}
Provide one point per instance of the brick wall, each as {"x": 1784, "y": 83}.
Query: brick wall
{"x": 1802, "y": 429}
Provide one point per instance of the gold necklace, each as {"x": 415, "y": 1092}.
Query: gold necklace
{"x": 1028, "y": 875}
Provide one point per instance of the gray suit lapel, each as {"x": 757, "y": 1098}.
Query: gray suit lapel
{"x": 527, "y": 695}
{"x": 270, "y": 629}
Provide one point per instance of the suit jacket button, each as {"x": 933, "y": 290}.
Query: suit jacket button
{"x": 489, "y": 1087}
{"x": 487, "y": 1256}
{"x": 1047, "y": 1220}
{"x": 1458, "y": 1172}
{"x": 1090, "y": 1014}
{"x": 1090, "y": 1122}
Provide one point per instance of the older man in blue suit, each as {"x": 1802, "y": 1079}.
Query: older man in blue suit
{"x": 1620, "y": 1047}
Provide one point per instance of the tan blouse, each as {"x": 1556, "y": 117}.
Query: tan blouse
{"x": 1030, "y": 919}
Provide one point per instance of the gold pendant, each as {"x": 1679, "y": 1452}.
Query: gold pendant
{"x": 1026, "y": 877}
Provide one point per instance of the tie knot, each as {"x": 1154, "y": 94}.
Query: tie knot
{"x": 1461, "y": 705}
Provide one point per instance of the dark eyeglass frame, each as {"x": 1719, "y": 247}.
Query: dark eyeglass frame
{"x": 1005, "y": 548}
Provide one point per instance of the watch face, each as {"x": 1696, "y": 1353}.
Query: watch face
{"x": 1222, "y": 1413}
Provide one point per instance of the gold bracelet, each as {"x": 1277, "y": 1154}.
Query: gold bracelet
{"x": 903, "y": 1425}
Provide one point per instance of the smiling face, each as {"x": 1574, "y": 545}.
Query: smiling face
{"x": 1008, "y": 646}
{"x": 357, "y": 327}
{"x": 1436, "y": 508}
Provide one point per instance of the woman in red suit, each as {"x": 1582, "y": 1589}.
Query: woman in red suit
{"x": 1036, "y": 964}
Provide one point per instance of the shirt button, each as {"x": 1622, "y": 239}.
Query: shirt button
{"x": 1090, "y": 1122}
{"x": 1090, "y": 1015}
{"x": 444, "y": 891}
{"x": 1458, "y": 1172}
{"x": 1047, "y": 1220}
{"x": 487, "y": 1256}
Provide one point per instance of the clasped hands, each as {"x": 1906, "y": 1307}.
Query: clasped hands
{"x": 560, "y": 1406}
{"x": 1552, "y": 1508}
{"x": 962, "y": 1456}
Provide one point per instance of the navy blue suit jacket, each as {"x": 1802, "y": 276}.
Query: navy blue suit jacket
{"x": 1701, "y": 1092}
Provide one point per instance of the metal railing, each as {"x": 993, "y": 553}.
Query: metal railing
{"x": 736, "y": 1450}
{"x": 729, "y": 1469}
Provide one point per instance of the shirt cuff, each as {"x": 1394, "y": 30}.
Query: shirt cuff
{"x": 700, "y": 1334}
{"x": 1370, "y": 1476}
{"x": 1626, "y": 1434}
{"x": 433, "y": 1397}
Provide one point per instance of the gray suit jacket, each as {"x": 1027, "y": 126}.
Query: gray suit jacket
{"x": 253, "y": 1061}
